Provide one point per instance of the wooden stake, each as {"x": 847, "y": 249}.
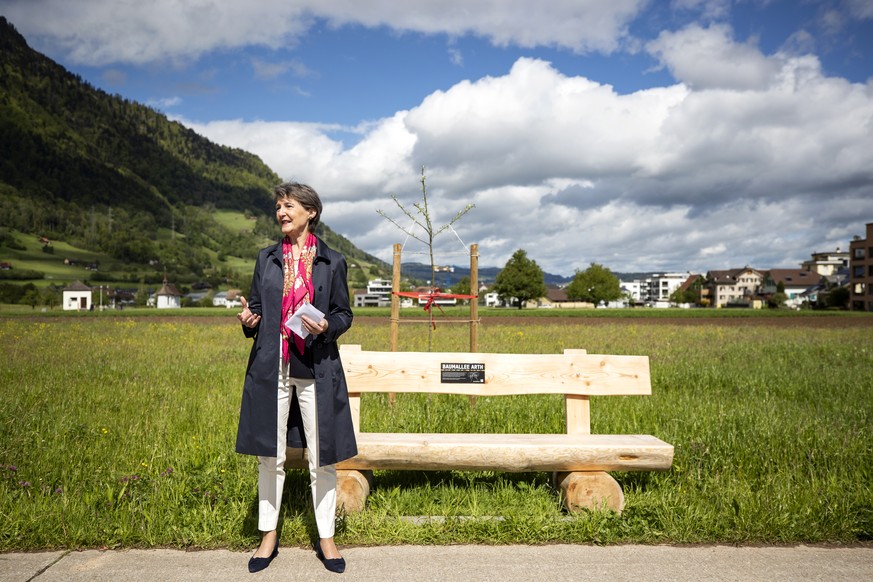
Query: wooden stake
{"x": 395, "y": 308}
{"x": 474, "y": 303}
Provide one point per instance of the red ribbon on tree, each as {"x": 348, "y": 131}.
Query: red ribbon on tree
{"x": 431, "y": 297}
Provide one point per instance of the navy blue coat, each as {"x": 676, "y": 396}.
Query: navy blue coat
{"x": 256, "y": 434}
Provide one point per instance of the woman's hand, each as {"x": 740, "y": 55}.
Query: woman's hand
{"x": 312, "y": 326}
{"x": 246, "y": 317}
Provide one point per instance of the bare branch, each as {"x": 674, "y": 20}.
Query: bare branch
{"x": 423, "y": 213}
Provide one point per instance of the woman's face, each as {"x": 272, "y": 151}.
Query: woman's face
{"x": 292, "y": 217}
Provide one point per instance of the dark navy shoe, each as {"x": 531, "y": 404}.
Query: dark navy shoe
{"x": 337, "y": 565}
{"x": 258, "y": 564}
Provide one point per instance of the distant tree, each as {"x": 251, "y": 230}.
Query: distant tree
{"x": 594, "y": 284}
{"x": 462, "y": 287}
{"x": 32, "y": 297}
{"x": 142, "y": 295}
{"x": 838, "y": 298}
{"x": 50, "y": 297}
{"x": 778, "y": 299}
{"x": 521, "y": 279}
{"x": 689, "y": 295}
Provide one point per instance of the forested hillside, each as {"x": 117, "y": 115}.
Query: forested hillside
{"x": 116, "y": 177}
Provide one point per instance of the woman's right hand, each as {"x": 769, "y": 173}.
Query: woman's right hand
{"x": 246, "y": 317}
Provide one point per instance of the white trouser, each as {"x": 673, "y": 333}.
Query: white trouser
{"x": 271, "y": 470}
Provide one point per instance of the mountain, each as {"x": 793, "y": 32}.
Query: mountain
{"x": 487, "y": 275}
{"x": 117, "y": 177}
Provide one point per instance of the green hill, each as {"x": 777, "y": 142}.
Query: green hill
{"x": 108, "y": 178}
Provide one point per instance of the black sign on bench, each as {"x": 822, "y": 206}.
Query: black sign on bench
{"x": 462, "y": 373}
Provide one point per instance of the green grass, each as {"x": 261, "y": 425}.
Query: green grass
{"x": 233, "y": 221}
{"x": 463, "y": 312}
{"x": 119, "y": 432}
{"x": 51, "y": 264}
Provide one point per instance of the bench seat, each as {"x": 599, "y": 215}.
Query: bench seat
{"x": 504, "y": 452}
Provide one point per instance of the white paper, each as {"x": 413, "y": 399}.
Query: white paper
{"x": 295, "y": 322}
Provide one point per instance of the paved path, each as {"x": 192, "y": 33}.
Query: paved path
{"x": 450, "y": 563}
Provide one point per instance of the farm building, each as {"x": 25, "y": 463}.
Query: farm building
{"x": 77, "y": 296}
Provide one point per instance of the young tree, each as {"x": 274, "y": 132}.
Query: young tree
{"x": 594, "y": 284}
{"x": 422, "y": 219}
{"x": 521, "y": 279}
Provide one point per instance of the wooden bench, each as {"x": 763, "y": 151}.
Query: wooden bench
{"x": 578, "y": 459}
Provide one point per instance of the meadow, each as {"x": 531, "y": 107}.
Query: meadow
{"x": 119, "y": 432}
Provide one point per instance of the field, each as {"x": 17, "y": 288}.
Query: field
{"x": 52, "y": 265}
{"x": 118, "y": 431}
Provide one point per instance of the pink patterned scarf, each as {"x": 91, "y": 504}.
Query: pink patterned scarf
{"x": 297, "y": 289}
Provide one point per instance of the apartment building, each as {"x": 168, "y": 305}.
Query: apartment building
{"x": 861, "y": 272}
{"x": 827, "y": 263}
{"x": 378, "y": 294}
{"x": 655, "y": 290}
{"x": 662, "y": 285}
{"x": 734, "y": 287}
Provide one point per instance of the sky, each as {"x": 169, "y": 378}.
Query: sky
{"x": 642, "y": 135}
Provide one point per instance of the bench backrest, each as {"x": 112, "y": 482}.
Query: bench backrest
{"x": 575, "y": 374}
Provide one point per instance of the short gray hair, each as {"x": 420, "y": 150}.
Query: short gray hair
{"x": 305, "y": 195}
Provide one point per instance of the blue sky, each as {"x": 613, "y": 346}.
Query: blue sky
{"x": 680, "y": 135}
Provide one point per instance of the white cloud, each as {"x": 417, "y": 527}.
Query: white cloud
{"x": 673, "y": 178}
{"x": 708, "y": 9}
{"x": 165, "y": 102}
{"x": 860, "y": 9}
{"x": 456, "y": 57}
{"x": 709, "y": 58}
{"x": 99, "y": 32}
{"x": 580, "y": 25}
{"x": 271, "y": 70}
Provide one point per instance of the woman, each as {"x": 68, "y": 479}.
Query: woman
{"x": 295, "y": 392}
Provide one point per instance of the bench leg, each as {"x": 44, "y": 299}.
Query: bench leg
{"x": 352, "y": 489}
{"x": 591, "y": 490}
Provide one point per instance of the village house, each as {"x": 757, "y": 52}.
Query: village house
{"x": 229, "y": 299}
{"x": 557, "y": 297}
{"x": 77, "y": 297}
{"x": 696, "y": 284}
{"x": 167, "y": 297}
{"x": 795, "y": 282}
{"x": 735, "y": 287}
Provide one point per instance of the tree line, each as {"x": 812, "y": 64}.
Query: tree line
{"x": 522, "y": 280}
